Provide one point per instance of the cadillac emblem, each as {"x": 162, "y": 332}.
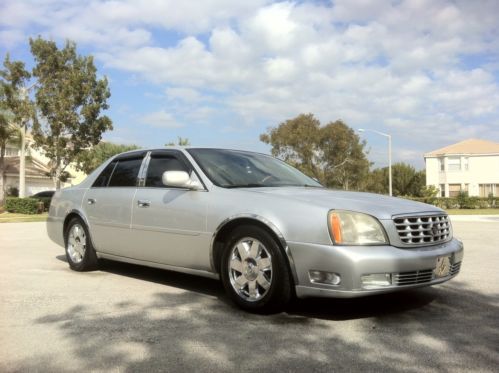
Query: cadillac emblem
{"x": 442, "y": 268}
{"x": 434, "y": 230}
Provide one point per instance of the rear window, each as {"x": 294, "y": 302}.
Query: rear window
{"x": 125, "y": 173}
{"x": 105, "y": 175}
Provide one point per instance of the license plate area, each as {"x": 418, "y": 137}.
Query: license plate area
{"x": 442, "y": 266}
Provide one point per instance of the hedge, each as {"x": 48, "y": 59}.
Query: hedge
{"x": 461, "y": 202}
{"x": 23, "y": 205}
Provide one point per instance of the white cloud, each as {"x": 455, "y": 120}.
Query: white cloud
{"x": 160, "y": 119}
{"x": 184, "y": 94}
{"x": 400, "y": 66}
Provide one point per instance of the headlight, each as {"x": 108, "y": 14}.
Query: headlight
{"x": 355, "y": 228}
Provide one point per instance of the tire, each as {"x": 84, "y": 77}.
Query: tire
{"x": 254, "y": 271}
{"x": 80, "y": 253}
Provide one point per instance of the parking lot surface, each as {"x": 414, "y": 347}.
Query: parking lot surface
{"x": 131, "y": 318}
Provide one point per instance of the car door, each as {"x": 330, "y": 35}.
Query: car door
{"x": 108, "y": 205}
{"x": 169, "y": 223}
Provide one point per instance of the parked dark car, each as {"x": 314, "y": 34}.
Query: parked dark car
{"x": 45, "y": 197}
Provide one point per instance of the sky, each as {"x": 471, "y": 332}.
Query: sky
{"x": 221, "y": 72}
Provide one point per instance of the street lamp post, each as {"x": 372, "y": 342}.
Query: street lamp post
{"x": 389, "y": 155}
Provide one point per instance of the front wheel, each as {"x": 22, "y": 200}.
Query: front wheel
{"x": 79, "y": 250}
{"x": 254, "y": 270}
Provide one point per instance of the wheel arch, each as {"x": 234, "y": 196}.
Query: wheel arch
{"x": 222, "y": 233}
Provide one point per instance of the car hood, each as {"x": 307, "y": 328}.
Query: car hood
{"x": 382, "y": 207}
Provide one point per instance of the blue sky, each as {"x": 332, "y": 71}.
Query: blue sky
{"x": 220, "y": 72}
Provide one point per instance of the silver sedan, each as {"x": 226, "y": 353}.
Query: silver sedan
{"x": 265, "y": 229}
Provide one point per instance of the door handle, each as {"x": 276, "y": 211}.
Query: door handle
{"x": 91, "y": 201}
{"x": 143, "y": 203}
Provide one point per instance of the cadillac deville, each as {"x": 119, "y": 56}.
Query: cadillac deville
{"x": 265, "y": 229}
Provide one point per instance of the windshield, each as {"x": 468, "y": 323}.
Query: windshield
{"x": 238, "y": 169}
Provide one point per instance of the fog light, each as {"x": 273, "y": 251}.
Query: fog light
{"x": 376, "y": 280}
{"x": 322, "y": 277}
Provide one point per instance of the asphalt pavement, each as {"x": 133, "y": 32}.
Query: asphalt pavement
{"x": 127, "y": 318}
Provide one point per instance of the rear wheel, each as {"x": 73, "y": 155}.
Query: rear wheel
{"x": 79, "y": 250}
{"x": 254, "y": 270}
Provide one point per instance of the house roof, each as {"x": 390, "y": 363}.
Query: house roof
{"x": 33, "y": 167}
{"x": 470, "y": 146}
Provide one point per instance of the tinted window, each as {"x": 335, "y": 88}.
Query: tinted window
{"x": 105, "y": 175}
{"x": 160, "y": 163}
{"x": 125, "y": 173}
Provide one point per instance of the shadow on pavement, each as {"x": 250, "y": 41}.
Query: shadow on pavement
{"x": 446, "y": 328}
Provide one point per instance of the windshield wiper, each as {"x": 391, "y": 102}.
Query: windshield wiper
{"x": 250, "y": 185}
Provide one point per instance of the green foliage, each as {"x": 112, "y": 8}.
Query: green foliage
{"x": 406, "y": 181}
{"x": 23, "y": 205}
{"x": 89, "y": 159}
{"x": 464, "y": 202}
{"x": 331, "y": 153}
{"x": 181, "y": 142}
{"x": 16, "y": 110}
{"x": 14, "y": 92}
{"x": 70, "y": 99}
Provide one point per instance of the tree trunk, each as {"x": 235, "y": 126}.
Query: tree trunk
{"x": 22, "y": 164}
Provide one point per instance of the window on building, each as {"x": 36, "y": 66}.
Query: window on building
{"x": 442, "y": 190}
{"x": 486, "y": 190}
{"x": 465, "y": 164}
{"x": 454, "y": 190}
{"x": 11, "y": 152}
{"x": 441, "y": 164}
{"x": 454, "y": 163}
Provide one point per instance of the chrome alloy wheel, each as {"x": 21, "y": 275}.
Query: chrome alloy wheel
{"x": 250, "y": 269}
{"x": 77, "y": 243}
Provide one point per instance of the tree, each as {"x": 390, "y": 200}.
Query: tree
{"x": 89, "y": 159}
{"x": 9, "y": 134}
{"x": 15, "y": 102}
{"x": 406, "y": 180}
{"x": 69, "y": 99}
{"x": 181, "y": 142}
{"x": 332, "y": 153}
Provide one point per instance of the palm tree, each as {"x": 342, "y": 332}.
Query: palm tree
{"x": 9, "y": 134}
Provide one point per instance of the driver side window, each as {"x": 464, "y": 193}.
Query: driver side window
{"x": 158, "y": 164}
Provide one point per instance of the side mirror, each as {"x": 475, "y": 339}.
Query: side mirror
{"x": 179, "y": 179}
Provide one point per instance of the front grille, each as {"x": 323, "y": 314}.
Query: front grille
{"x": 411, "y": 278}
{"x": 455, "y": 268}
{"x": 417, "y": 230}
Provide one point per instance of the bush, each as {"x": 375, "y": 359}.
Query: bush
{"x": 23, "y": 205}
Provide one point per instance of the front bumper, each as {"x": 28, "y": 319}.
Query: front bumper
{"x": 353, "y": 262}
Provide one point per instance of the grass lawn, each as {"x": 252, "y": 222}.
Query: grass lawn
{"x": 473, "y": 211}
{"x": 7, "y": 217}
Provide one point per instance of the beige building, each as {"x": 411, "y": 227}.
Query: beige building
{"x": 37, "y": 177}
{"x": 471, "y": 165}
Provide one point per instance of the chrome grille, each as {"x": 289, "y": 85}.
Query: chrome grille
{"x": 421, "y": 276}
{"x": 411, "y": 278}
{"x": 455, "y": 268}
{"x": 417, "y": 230}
